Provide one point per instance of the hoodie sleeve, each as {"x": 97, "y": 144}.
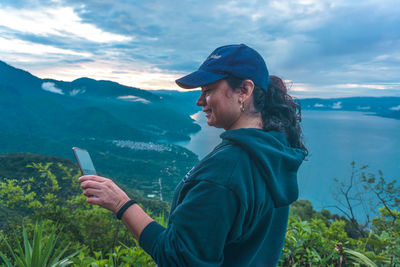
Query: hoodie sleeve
{"x": 198, "y": 228}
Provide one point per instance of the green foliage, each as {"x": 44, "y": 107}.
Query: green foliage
{"x": 325, "y": 239}
{"x": 41, "y": 252}
{"x": 137, "y": 169}
{"x": 52, "y": 194}
{"x": 56, "y": 199}
{"x": 90, "y": 225}
{"x": 52, "y": 129}
{"x": 369, "y": 191}
{"x": 29, "y": 194}
{"x": 120, "y": 256}
{"x": 387, "y": 193}
{"x": 44, "y": 252}
{"x": 356, "y": 258}
{"x": 306, "y": 245}
{"x": 384, "y": 239}
{"x": 303, "y": 210}
{"x": 315, "y": 244}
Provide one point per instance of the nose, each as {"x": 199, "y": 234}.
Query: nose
{"x": 201, "y": 101}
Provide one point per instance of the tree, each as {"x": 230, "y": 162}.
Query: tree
{"x": 351, "y": 194}
{"x": 375, "y": 194}
{"x": 387, "y": 193}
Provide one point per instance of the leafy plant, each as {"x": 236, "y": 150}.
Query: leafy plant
{"x": 358, "y": 258}
{"x": 316, "y": 244}
{"x": 121, "y": 256}
{"x": 41, "y": 252}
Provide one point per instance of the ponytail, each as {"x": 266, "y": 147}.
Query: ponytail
{"x": 279, "y": 111}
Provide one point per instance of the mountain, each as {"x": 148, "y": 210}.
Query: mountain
{"x": 85, "y": 106}
{"x": 18, "y": 80}
{"x": 380, "y": 106}
{"x": 125, "y": 129}
{"x": 184, "y": 101}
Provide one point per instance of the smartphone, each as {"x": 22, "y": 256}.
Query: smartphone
{"x": 84, "y": 161}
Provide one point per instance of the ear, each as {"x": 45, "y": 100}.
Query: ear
{"x": 246, "y": 90}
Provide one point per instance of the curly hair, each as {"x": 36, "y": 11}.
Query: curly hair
{"x": 279, "y": 111}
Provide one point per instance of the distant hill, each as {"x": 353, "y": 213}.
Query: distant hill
{"x": 15, "y": 166}
{"x": 85, "y": 107}
{"x": 124, "y": 128}
{"x": 182, "y": 100}
{"x": 137, "y": 165}
{"x": 379, "y": 106}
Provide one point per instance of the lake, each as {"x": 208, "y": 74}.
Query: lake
{"x": 334, "y": 139}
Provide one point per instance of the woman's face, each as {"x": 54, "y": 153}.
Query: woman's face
{"x": 220, "y": 104}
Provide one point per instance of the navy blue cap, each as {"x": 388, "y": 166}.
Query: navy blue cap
{"x": 237, "y": 60}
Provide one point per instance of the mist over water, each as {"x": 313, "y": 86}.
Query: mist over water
{"x": 334, "y": 139}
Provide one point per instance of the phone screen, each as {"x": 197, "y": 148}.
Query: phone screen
{"x": 84, "y": 161}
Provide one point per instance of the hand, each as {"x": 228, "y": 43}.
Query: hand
{"x": 103, "y": 192}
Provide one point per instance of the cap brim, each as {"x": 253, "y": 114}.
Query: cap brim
{"x": 199, "y": 78}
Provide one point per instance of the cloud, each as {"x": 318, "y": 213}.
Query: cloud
{"x": 364, "y": 108}
{"x": 323, "y": 47}
{"x": 51, "y": 87}
{"x": 75, "y": 92}
{"x": 20, "y": 46}
{"x": 145, "y": 77}
{"x": 134, "y": 99}
{"x": 56, "y": 22}
{"x": 396, "y": 108}
{"x": 384, "y": 86}
{"x": 333, "y": 90}
{"x": 337, "y": 105}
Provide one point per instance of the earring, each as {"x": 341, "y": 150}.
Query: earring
{"x": 241, "y": 106}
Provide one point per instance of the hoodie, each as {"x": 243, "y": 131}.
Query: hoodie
{"x": 232, "y": 208}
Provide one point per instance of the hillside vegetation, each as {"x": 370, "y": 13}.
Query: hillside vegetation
{"x": 46, "y": 190}
{"x": 125, "y": 129}
{"x": 128, "y": 132}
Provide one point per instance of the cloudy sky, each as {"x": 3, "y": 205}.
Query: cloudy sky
{"x": 332, "y": 48}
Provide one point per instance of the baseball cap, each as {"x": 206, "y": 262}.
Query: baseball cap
{"x": 240, "y": 61}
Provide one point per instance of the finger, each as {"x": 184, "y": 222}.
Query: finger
{"x": 91, "y": 184}
{"x": 94, "y": 200}
{"x": 92, "y": 178}
{"x": 85, "y": 178}
{"x": 91, "y": 192}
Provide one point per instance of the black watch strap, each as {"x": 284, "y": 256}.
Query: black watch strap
{"x": 124, "y": 208}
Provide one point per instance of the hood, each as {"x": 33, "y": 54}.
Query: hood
{"x": 277, "y": 162}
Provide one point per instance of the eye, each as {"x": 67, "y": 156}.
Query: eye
{"x": 207, "y": 91}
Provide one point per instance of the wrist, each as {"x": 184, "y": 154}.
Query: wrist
{"x": 120, "y": 203}
{"x": 124, "y": 207}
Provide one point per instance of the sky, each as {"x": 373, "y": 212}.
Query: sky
{"x": 334, "y": 48}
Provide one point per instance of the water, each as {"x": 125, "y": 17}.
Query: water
{"x": 334, "y": 139}
{"x": 202, "y": 142}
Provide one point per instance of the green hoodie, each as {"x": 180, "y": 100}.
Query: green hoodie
{"x": 232, "y": 208}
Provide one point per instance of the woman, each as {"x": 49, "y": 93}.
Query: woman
{"x": 232, "y": 208}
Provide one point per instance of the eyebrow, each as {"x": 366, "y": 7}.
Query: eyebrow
{"x": 205, "y": 88}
